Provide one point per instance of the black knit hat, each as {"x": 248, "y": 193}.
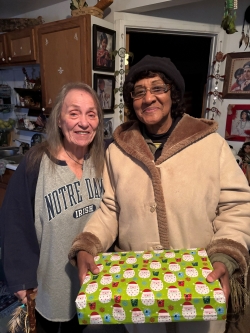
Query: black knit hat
{"x": 163, "y": 65}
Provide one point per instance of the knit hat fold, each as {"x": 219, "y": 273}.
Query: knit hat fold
{"x": 159, "y": 64}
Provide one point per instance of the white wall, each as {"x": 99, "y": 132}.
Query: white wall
{"x": 59, "y": 11}
{"x": 52, "y": 13}
{"x": 62, "y": 10}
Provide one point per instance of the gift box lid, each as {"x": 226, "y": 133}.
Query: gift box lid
{"x": 149, "y": 287}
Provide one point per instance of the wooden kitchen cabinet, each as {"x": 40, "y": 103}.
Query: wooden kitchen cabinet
{"x": 4, "y": 180}
{"x": 22, "y": 45}
{"x": 3, "y": 49}
{"x": 65, "y": 55}
{"x": 19, "y": 46}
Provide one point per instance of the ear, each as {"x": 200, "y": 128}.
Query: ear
{"x": 59, "y": 123}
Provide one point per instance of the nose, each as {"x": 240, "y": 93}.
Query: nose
{"x": 83, "y": 121}
{"x": 148, "y": 98}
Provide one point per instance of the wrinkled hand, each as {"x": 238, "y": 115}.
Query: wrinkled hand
{"x": 85, "y": 263}
{"x": 22, "y": 295}
{"x": 220, "y": 272}
{"x": 245, "y": 84}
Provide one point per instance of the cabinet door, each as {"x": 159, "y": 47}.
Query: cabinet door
{"x": 65, "y": 55}
{"x": 4, "y": 180}
{"x": 3, "y": 49}
{"x": 2, "y": 194}
{"x": 21, "y": 45}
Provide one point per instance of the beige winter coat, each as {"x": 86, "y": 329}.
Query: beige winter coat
{"x": 194, "y": 195}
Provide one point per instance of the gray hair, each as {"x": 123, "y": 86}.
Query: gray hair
{"x": 55, "y": 136}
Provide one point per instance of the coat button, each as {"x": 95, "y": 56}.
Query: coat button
{"x": 157, "y": 247}
{"x": 152, "y": 208}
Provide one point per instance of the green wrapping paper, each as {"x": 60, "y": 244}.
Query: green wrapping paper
{"x": 150, "y": 287}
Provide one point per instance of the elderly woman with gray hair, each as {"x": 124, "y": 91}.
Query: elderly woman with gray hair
{"x": 50, "y": 197}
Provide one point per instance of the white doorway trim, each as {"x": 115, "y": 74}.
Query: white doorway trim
{"x": 124, "y": 22}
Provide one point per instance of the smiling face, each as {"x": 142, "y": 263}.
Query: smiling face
{"x": 241, "y": 77}
{"x": 104, "y": 44}
{"x": 153, "y": 110}
{"x": 78, "y": 119}
{"x": 244, "y": 116}
{"x": 247, "y": 149}
{"x": 101, "y": 85}
{"x": 247, "y": 72}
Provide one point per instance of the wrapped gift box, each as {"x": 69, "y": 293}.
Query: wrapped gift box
{"x": 150, "y": 287}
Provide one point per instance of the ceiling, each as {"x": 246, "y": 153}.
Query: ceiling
{"x": 10, "y": 9}
{"x": 19, "y": 7}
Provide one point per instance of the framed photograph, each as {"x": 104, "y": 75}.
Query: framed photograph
{"x": 108, "y": 127}
{"x": 103, "y": 46}
{"x": 237, "y": 76}
{"x": 238, "y": 122}
{"x": 104, "y": 85}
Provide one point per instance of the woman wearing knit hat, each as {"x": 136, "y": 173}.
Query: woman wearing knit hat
{"x": 170, "y": 182}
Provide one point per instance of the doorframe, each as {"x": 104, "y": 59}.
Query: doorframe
{"x": 124, "y": 22}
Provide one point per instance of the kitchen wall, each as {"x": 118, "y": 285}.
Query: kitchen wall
{"x": 14, "y": 77}
{"x": 197, "y": 14}
{"x": 55, "y": 12}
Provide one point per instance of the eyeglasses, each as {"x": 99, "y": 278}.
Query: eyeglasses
{"x": 140, "y": 92}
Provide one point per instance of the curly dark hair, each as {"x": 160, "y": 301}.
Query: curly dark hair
{"x": 247, "y": 112}
{"x": 238, "y": 72}
{"x": 241, "y": 152}
{"x": 178, "y": 107}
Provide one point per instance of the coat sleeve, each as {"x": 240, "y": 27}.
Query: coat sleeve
{"x": 19, "y": 245}
{"x": 232, "y": 222}
{"x": 101, "y": 230}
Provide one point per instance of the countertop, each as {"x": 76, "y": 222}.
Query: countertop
{"x": 11, "y": 166}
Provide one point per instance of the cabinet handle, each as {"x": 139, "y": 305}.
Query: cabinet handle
{"x": 9, "y": 58}
{"x": 3, "y": 59}
{"x": 43, "y": 109}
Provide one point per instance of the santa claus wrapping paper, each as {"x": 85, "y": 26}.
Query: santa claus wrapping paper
{"x": 150, "y": 287}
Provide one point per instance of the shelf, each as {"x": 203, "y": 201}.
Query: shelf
{"x": 6, "y": 108}
{"x": 27, "y": 107}
{"x": 23, "y": 91}
{"x": 30, "y": 99}
{"x": 37, "y": 130}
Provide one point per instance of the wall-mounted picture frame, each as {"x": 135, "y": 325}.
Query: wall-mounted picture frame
{"x": 238, "y": 122}
{"x": 237, "y": 76}
{"x": 104, "y": 85}
{"x": 108, "y": 125}
{"x": 103, "y": 46}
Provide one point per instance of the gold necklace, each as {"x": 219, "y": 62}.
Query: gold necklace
{"x": 72, "y": 158}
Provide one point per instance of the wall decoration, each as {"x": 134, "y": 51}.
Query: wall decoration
{"x": 245, "y": 37}
{"x": 77, "y": 4}
{"x": 103, "y": 46}
{"x": 237, "y": 76}
{"x": 103, "y": 4}
{"x": 228, "y": 22}
{"x": 124, "y": 61}
{"x": 238, "y": 122}
{"x": 104, "y": 85}
{"x": 214, "y": 111}
{"x": 108, "y": 127}
{"x": 80, "y": 7}
{"x": 217, "y": 95}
